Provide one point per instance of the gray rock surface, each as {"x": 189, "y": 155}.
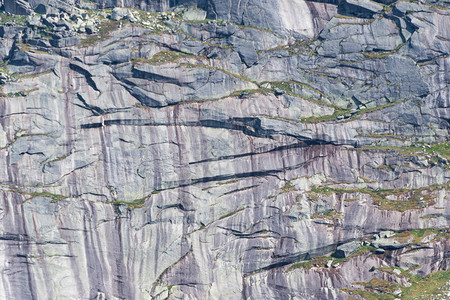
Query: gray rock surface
{"x": 160, "y": 156}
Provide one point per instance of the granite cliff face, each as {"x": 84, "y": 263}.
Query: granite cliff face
{"x": 253, "y": 149}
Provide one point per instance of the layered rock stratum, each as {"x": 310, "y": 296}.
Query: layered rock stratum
{"x": 210, "y": 149}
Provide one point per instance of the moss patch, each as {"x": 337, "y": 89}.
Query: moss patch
{"x": 433, "y": 285}
{"x": 54, "y": 197}
{"x": 104, "y": 31}
{"x": 138, "y": 203}
{"x": 16, "y": 19}
{"x": 369, "y": 295}
{"x": 289, "y": 86}
{"x": 334, "y": 116}
{"x": 231, "y": 213}
{"x": 163, "y": 57}
{"x": 407, "y": 198}
{"x": 320, "y": 261}
{"x": 288, "y": 187}
{"x": 443, "y": 149}
{"x": 416, "y": 236}
{"x": 382, "y": 54}
{"x": 330, "y": 215}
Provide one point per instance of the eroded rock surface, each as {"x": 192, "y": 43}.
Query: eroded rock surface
{"x": 274, "y": 150}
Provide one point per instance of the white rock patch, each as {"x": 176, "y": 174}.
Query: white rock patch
{"x": 297, "y": 17}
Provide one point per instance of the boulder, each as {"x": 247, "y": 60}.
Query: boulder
{"x": 190, "y": 47}
{"x": 5, "y": 48}
{"x": 39, "y": 42}
{"x": 122, "y": 14}
{"x": 360, "y": 8}
{"x": 64, "y": 24}
{"x": 389, "y": 244}
{"x": 194, "y": 15}
{"x": 65, "y": 42}
{"x": 278, "y": 92}
{"x": 17, "y": 7}
{"x": 404, "y": 7}
{"x": 116, "y": 56}
{"x": 247, "y": 53}
{"x": 367, "y": 4}
{"x": 346, "y": 249}
{"x": 34, "y": 20}
{"x": 379, "y": 251}
{"x": 10, "y": 32}
{"x": 46, "y": 10}
{"x": 386, "y": 234}
{"x": 90, "y": 29}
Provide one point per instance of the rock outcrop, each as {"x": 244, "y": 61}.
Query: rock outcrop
{"x": 236, "y": 150}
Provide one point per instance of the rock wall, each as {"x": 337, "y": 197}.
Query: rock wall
{"x": 287, "y": 150}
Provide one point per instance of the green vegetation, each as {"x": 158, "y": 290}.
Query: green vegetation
{"x": 345, "y": 17}
{"x": 380, "y": 107}
{"x": 231, "y": 213}
{"x": 231, "y": 181}
{"x": 379, "y": 285}
{"x": 241, "y": 93}
{"x": 138, "y": 203}
{"x": 369, "y": 295}
{"x": 33, "y": 76}
{"x": 17, "y": 19}
{"x": 387, "y": 136}
{"x": 332, "y": 215}
{"x": 163, "y": 57}
{"x": 189, "y": 65}
{"x": 34, "y": 194}
{"x": 13, "y": 94}
{"x": 345, "y": 112}
{"x": 288, "y": 187}
{"x": 54, "y": 197}
{"x": 320, "y": 261}
{"x": 376, "y": 54}
{"x": 435, "y": 284}
{"x": 23, "y": 93}
{"x": 416, "y": 236}
{"x": 59, "y": 158}
{"x": 28, "y": 48}
{"x": 334, "y": 116}
{"x": 433, "y": 216}
{"x": 339, "y": 111}
{"x": 104, "y": 31}
{"x": 21, "y": 134}
{"x": 289, "y": 86}
{"x": 407, "y": 198}
{"x": 443, "y": 149}
{"x": 297, "y": 48}
{"x": 228, "y": 182}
